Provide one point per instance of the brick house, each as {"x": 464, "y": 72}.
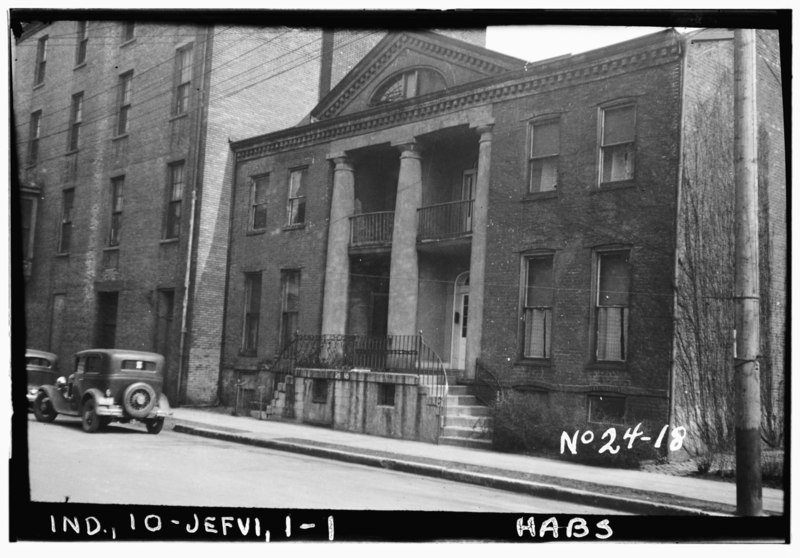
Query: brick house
{"x": 522, "y": 216}
{"x": 122, "y": 131}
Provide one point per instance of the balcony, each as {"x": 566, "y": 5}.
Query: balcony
{"x": 445, "y": 221}
{"x": 371, "y": 230}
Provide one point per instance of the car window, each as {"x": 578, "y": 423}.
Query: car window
{"x": 80, "y": 364}
{"x": 138, "y": 365}
{"x": 93, "y": 364}
{"x": 36, "y": 361}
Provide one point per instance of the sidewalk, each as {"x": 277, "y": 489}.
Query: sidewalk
{"x": 627, "y": 490}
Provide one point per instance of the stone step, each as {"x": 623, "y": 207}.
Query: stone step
{"x": 465, "y": 442}
{"x": 469, "y": 433}
{"x": 466, "y": 421}
{"x": 462, "y": 400}
{"x": 458, "y": 390}
{"x": 468, "y": 410}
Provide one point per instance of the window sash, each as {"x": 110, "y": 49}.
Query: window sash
{"x": 76, "y": 116}
{"x": 83, "y": 39}
{"x": 183, "y": 79}
{"x": 612, "y": 333}
{"x": 174, "y": 201}
{"x": 290, "y": 304}
{"x": 618, "y": 143}
{"x": 125, "y": 93}
{"x": 538, "y": 332}
{"x": 258, "y": 196}
{"x": 128, "y": 29}
{"x": 35, "y": 132}
{"x": 41, "y": 61}
{"x": 115, "y": 227}
{"x": 297, "y": 199}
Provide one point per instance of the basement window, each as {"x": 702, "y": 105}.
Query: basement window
{"x": 386, "y": 394}
{"x": 319, "y": 391}
{"x": 606, "y": 409}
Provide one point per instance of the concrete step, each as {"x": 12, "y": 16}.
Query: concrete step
{"x": 458, "y": 390}
{"x": 468, "y": 410}
{"x": 467, "y": 421}
{"x": 468, "y": 433}
{"x": 465, "y": 442}
{"x": 461, "y": 400}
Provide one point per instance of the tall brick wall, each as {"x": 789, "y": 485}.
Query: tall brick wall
{"x": 574, "y": 221}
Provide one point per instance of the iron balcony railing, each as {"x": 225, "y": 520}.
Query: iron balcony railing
{"x": 371, "y": 229}
{"x": 445, "y": 220}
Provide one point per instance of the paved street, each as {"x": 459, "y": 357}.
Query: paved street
{"x": 125, "y": 465}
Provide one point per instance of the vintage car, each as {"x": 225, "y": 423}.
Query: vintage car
{"x": 108, "y": 385}
{"x": 41, "y": 368}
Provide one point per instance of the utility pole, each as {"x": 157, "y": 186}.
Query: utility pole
{"x": 746, "y": 372}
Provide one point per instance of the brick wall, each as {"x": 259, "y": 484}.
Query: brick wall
{"x": 571, "y": 224}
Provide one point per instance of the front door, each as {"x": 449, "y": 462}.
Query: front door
{"x": 460, "y": 319}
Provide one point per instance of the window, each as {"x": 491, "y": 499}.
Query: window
{"x": 65, "y": 238}
{"x": 183, "y": 79}
{"x": 258, "y": 202}
{"x": 138, "y": 365}
{"x": 617, "y": 143}
{"x": 172, "y": 224}
{"x": 252, "y": 310}
{"x": 116, "y": 210}
{"x": 41, "y": 61}
{"x": 125, "y": 88}
{"x": 83, "y": 41}
{"x": 606, "y": 409}
{"x": 319, "y": 390}
{"x": 290, "y": 304}
{"x": 75, "y": 118}
{"x": 543, "y": 162}
{"x": 538, "y": 307}
{"x": 611, "y": 313}
{"x": 29, "y": 204}
{"x": 34, "y": 135}
{"x": 386, "y": 394}
{"x": 297, "y": 197}
{"x": 128, "y": 28}
{"x": 409, "y": 84}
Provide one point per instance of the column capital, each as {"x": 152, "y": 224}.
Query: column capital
{"x": 343, "y": 163}
{"x": 485, "y": 131}
{"x": 408, "y": 148}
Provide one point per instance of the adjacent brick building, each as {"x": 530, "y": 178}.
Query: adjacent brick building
{"x": 524, "y": 217}
{"x": 122, "y": 133}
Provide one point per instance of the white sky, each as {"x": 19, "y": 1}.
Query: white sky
{"x": 538, "y": 42}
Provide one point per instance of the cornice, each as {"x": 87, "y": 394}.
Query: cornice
{"x": 512, "y": 85}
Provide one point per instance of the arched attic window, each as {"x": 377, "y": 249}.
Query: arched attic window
{"x": 408, "y": 84}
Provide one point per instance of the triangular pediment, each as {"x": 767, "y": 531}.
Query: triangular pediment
{"x": 431, "y": 61}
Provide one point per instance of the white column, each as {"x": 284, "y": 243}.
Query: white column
{"x": 404, "y": 270}
{"x": 477, "y": 264}
{"x": 337, "y": 266}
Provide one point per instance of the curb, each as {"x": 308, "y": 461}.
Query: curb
{"x": 631, "y": 505}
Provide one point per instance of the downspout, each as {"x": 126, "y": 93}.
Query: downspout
{"x": 190, "y": 243}
{"x": 684, "y": 51}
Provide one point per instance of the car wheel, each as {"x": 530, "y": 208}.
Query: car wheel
{"x": 154, "y": 426}
{"x": 43, "y": 408}
{"x": 89, "y": 419}
{"x": 138, "y": 400}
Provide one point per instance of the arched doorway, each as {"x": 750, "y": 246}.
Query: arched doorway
{"x": 458, "y": 352}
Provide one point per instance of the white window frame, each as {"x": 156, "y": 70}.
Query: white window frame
{"x": 553, "y": 158}
{"x": 626, "y": 149}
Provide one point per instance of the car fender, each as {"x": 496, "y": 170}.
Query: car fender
{"x": 92, "y": 393}
{"x": 163, "y": 403}
{"x": 60, "y": 403}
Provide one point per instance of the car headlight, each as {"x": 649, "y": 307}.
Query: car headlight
{"x": 32, "y": 391}
{"x": 108, "y": 393}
